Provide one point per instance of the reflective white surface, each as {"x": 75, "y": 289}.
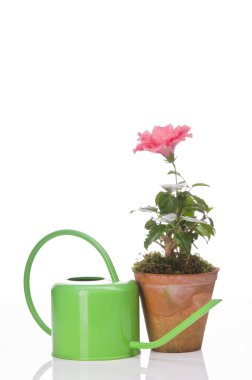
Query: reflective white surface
{"x": 150, "y": 365}
{"x": 25, "y": 351}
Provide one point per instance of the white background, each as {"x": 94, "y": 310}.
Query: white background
{"x": 79, "y": 80}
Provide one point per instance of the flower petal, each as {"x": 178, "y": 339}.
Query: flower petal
{"x": 162, "y": 140}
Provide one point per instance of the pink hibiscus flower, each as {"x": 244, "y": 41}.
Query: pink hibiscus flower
{"x": 162, "y": 140}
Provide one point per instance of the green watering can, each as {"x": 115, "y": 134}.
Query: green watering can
{"x": 94, "y": 318}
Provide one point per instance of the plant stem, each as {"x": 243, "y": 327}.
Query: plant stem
{"x": 161, "y": 245}
{"x": 175, "y": 171}
{"x": 176, "y": 179}
{"x": 170, "y": 245}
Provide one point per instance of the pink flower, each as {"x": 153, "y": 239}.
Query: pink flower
{"x": 162, "y": 139}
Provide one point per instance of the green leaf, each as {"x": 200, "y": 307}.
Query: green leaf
{"x": 195, "y": 235}
{"x": 211, "y": 221}
{"x": 189, "y": 213}
{"x": 192, "y": 220}
{"x": 166, "y": 202}
{"x": 173, "y": 172}
{"x": 145, "y": 209}
{"x": 186, "y": 204}
{"x": 200, "y": 184}
{"x": 148, "y": 209}
{"x": 150, "y": 224}
{"x": 201, "y": 203}
{"x": 205, "y": 230}
{"x": 170, "y": 188}
{"x": 209, "y": 228}
{"x": 192, "y": 209}
{"x": 184, "y": 240}
{"x": 154, "y": 234}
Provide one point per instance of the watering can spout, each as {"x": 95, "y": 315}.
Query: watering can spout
{"x": 178, "y": 329}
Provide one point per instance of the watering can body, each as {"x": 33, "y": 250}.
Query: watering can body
{"x": 94, "y": 318}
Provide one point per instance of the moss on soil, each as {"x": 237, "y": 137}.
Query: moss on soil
{"x": 157, "y": 263}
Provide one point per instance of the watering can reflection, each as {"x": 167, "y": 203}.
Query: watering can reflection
{"x": 154, "y": 366}
{"x": 94, "y": 318}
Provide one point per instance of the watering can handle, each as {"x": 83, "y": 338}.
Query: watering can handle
{"x": 35, "y": 250}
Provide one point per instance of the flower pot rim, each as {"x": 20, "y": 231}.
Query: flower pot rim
{"x": 216, "y": 270}
{"x": 179, "y": 279}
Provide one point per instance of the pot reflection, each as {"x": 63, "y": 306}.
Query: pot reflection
{"x": 180, "y": 366}
{"x": 157, "y": 366}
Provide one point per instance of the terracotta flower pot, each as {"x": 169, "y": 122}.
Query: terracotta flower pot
{"x": 168, "y": 299}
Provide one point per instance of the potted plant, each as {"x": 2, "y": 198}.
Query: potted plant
{"x": 173, "y": 281}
